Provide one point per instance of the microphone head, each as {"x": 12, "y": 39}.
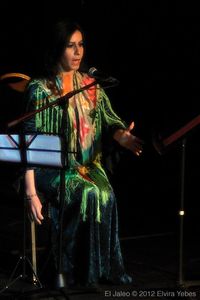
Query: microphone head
{"x": 101, "y": 77}
{"x": 92, "y": 71}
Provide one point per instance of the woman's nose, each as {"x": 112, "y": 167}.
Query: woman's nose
{"x": 76, "y": 49}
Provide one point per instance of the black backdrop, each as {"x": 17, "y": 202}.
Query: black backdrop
{"x": 152, "y": 47}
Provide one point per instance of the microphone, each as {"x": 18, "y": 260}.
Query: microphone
{"x": 94, "y": 73}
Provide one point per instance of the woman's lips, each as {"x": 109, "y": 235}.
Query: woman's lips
{"x": 76, "y": 61}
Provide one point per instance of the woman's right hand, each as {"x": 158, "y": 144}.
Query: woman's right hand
{"x": 35, "y": 209}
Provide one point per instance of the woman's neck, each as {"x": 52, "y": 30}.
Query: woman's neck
{"x": 67, "y": 81}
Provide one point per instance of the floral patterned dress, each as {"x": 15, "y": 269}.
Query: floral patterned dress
{"x": 91, "y": 248}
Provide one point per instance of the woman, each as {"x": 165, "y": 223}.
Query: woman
{"x": 91, "y": 249}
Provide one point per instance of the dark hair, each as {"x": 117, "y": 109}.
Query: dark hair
{"x": 58, "y": 39}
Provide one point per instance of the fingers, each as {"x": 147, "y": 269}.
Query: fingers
{"x": 137, "y": 150}
{"x": 35, "y": 214}
{"x": 139, "y": 141}
{"x": 39, "y": 218}
{"x": 36, "y": 218}
{"x": 136, "y": 146}
{"x": 131, "y": 126}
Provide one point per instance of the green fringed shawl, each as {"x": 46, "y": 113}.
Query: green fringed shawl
{"x": 94, "y": 112}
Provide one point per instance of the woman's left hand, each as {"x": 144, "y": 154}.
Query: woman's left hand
{"x": 129, "y": 141}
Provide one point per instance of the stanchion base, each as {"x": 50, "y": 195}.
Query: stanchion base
{"x": 189, "y": 283}
{"x": 60, "y": 281}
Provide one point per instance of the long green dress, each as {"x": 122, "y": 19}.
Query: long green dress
{"x": 91, "y": 248}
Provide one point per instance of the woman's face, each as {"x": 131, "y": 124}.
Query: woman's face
{"x": 73, "y": 54}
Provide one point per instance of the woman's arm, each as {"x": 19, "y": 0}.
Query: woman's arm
{"x": 34, "y": 203}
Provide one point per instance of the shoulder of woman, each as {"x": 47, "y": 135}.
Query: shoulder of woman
{"x": 38, "y": 84}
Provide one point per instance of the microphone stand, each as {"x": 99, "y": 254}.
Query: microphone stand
{"x": 63, "y": 101}
{"x": 60, "y": 101}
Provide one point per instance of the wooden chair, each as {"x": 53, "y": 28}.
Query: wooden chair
{"x": 18, "y": 82}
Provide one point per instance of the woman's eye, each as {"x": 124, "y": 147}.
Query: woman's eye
{"x": 81, "y": 44}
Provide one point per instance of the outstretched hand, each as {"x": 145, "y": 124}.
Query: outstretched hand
{"x": 129, "y": 141}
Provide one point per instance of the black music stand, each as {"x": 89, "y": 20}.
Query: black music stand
{"x": 162, "y": 146}
{"x": 29, "y": 150}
